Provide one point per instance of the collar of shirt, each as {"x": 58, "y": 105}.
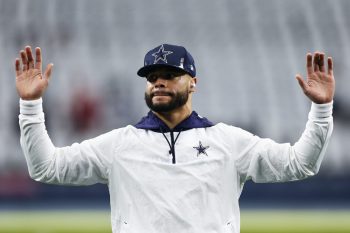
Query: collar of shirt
{"x": 152, "y": 122}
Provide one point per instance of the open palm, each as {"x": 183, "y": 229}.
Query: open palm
{"x": 30, "y": 82}
{"x": 319, "y": 85}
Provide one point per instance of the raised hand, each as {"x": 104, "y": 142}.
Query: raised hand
{"x": 30, "y": 82}
{"x": 319, "y": 85}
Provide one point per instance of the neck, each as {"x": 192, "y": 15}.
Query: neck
{"x": 174, "y": 117}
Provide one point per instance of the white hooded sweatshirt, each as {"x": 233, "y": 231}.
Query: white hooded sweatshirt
{"x": 185, "y": 180}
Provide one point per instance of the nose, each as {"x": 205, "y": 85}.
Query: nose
{"x": 160, "y": 83}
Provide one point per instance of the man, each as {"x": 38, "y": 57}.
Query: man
{"x": 174, "y": 171}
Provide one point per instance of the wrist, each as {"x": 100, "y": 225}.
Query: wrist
{"x": 30, "y": 107}
{"x": 321, "y": 111}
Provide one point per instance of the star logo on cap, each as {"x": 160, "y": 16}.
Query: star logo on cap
{"x": 201, "y": 149}
{"x": 161, "y": 55}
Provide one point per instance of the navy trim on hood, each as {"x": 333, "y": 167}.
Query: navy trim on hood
{"x": 152, "y": 122}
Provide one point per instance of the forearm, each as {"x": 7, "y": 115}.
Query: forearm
{"x": 35, "y": 142}
{"x": 310, "y": 148}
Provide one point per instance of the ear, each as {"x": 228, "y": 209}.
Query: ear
{"x": 193, "y": 83}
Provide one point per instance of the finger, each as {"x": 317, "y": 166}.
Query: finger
{"x": 301, "y": 82}
{"x": 18, "y": 67}
{"x": 24, "y": 60}
{"x": 330, "y": 66}
{"x": 29, "y": 57}
{"x": 37, "y": 58}
{"x": 309, "y": 63}
{"x": 316, "y": 61}
{"x": 48, "y": 71}
{"x": 321, "y": 63}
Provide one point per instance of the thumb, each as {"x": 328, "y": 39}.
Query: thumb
{"x": 301, "y": 82}
{"x": 48, "y": 71}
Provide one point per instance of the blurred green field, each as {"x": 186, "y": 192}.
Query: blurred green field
{"x": 252, "y": 221}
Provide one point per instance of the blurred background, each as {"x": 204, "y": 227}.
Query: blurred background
{"x": 247, "y": 54}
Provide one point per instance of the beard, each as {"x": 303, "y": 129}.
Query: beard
{"x": 177, "y": 100}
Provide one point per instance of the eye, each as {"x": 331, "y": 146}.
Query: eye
{"x": 169, "y": 76}
{"x": 152, "y": 78}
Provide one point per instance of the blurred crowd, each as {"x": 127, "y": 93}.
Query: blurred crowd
{"x": 247, "y": 55}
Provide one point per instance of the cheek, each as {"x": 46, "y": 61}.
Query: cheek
{"x": 185, "y": 84}
{"x": 148, "y": 88}
{"x": 184, "y": 88}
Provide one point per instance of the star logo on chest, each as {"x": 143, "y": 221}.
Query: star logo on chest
{"x": 161, "y": 55}
{"x": 201, "y": 149}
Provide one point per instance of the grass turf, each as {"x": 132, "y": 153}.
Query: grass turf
{"x": 295, "y": 221}
{"x": 252, "y": 221}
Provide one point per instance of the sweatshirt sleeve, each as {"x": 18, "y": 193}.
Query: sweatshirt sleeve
{"x": 79, "y": 164}
{"x": 264, "y": 160}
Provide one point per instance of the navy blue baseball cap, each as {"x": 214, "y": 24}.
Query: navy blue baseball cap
{"x": 167, "y": 55}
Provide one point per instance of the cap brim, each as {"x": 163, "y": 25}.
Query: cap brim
{"x": 144, "y": 71}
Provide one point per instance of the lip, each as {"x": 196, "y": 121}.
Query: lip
{"x": 160, "y": 93}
